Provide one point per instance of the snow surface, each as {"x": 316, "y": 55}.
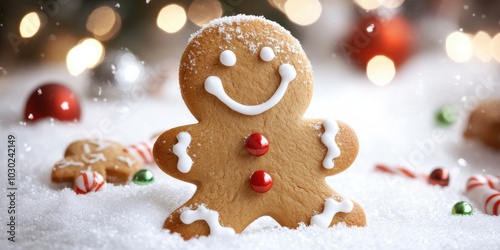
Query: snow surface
{"x": 395, "y": 124}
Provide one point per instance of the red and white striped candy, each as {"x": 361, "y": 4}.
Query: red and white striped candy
{"x": 89, "y": 181}
{"x": 401, "y": 171}
{"x": 485, "y": 189}
{"x": 142, "y": 151}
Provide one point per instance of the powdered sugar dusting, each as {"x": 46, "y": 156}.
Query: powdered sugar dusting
{"x": 230, "y": 29}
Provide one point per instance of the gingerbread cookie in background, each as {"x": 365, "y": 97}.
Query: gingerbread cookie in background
{"x": 107, "y": 158}
{"x": 248, "y": 83}
{"x": 484, "y": 123}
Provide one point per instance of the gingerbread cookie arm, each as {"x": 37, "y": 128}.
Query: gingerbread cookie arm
{"x": 171, "y": 152}
{"x": 341, "y": 145}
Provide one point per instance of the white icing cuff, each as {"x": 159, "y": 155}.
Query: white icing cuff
{"x": 210, "y": 216}
{"x": 328, "y": 138}
{"x": 180, "y": 150}
{"x": 332, "y": 207}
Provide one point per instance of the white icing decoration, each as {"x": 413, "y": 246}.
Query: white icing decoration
{"x": 65, "y": 163}
{"x": 328, "y": 138}
{"x": 180, "y": 150}
{"x": 210, "y": 216}
{"x": 86, "y": 148}
{"x": 129, "y": 161}
{"x": 227, "y": 58}
{"x": 93, "y": 158}
{"x": 101, "y": 144}
{"x": 266, "y": 54}
{"x": 332, "y": 207}
{"x": 213, "y": 85}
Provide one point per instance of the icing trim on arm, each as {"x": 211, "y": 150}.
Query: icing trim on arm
{"x": 180, "y": 150}
{"x": 332, "y": 207}
{"x": 328, "y": 138}
{"x": 210, "y": 216}
{"x": 213, "y": 85}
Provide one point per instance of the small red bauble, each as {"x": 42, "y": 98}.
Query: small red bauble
{"x": 52, "y": 100}
{"x": 261, "y": 181}
{"x": 256, "y": 144}
{"x": 439, "y": 177}
{"x": 374, "y": 35}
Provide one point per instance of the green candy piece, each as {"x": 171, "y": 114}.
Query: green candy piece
{"x": 143, "y": 177}
{"x": 446, "y": 116}
{"x": 462, "y": 208}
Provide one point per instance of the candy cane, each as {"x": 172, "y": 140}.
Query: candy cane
{"x": 485, "y": 189}
{"x": 142, "y": 151}
{"x": 401, "y": 171}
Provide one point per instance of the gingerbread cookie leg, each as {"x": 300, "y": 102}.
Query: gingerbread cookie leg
{"x": 196, "y": 219}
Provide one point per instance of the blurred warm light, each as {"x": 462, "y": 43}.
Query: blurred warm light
{"x": 380, "y": 70}
{"x": 368, "y": 4}
{"x": 391, "y": 4}
{"x": 459, "y": 46}
{"x": 495, "y": 47}
{"x": 373, "y": 4}
{"x": 30, "y": 24}
{"x": 303, "y": 12}
{"x": 87, "y": 54}
{"x": 481, "y": 44}
{"x": 171, "y": 18}
{"x": 201, "y": 12}
{"x": 104, "y": 23}
{"x": 278, "y": 4}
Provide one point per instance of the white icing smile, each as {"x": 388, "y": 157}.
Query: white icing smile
{"x": 213, "y": 85}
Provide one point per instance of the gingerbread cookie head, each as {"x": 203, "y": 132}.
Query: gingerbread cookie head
{"x": 107, "y": 158}
{"x": 248, "y": 82}
{"x": 249, "y": 66}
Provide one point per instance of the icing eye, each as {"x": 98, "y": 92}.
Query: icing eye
{"x": 227, "y": 58}
{"x": 266, "y": 54}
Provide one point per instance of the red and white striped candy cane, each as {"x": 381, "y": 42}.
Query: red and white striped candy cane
{"x": 485, "y": 189}
{"x": 142, "y": 151}
{"x": 401, "y": 171}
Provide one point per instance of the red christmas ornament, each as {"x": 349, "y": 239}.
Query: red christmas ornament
{"x": 439, "y": 177}
{"x": 256, "y": 144}
{"x": 52, "y": 100}
{"x": 261, "y": 181}
{"x": 374, "y": 36}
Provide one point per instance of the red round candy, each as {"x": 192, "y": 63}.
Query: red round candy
{"x": 439, "y": 177}
{"x": 52, "y": 100}
{"x": 261, "y": 181}
{"x": 256, "y": 144}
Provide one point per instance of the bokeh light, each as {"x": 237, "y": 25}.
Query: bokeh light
{"x": 278, "y": 4}
{"x": 303, "y": 12}
{"x": 171, "y": 18}
{"x": 30, "y": 24}
{"x": 380, "y": 70}
{"x": 495, "y": 47}
{"x": 201, "y": 12}
{"x": 459, "y": 46}
{"x": 368, "y": 4}
{"x": 481, "y": 44}
{"x": 374, "y": 4}
{"x": 104, "y": 23}
{"x": 87, "y": 54}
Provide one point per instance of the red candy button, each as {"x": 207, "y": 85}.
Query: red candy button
{"x": 256, "y": 144}
{"x": 261, "y": 181}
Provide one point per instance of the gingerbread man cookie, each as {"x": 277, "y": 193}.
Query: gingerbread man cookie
{"x": 248, "y": 83}
{"x": 107, "y": 158}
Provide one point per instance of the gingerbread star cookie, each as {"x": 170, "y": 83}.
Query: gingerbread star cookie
{"x": 248, "y": 83}
{"x": 105, "y": 157}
